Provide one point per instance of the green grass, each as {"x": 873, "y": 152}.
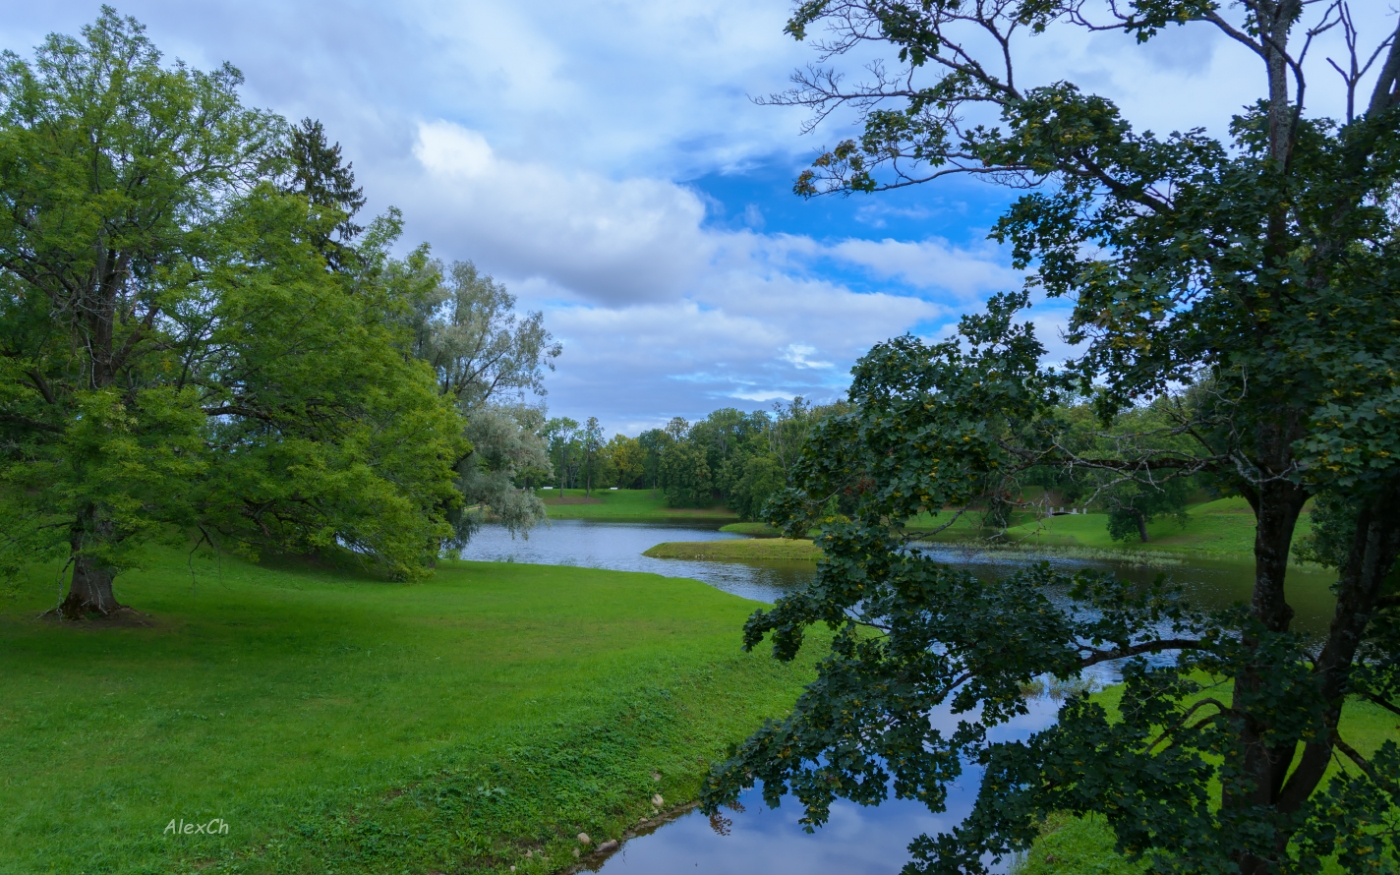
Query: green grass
{"x": 355, "y": 726}
{"x": 631, "y": 505}
{"x": 1085, "y": 845}
{"x": 1221, "y": 529}
{"x": 753, "y": 530}
{"x": 738, "y": 551}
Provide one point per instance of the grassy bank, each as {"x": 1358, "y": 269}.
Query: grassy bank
{"x": 1085, "y": 844}
{"x": 1222, "y": 529}
{"x": 625, "y": 505}
{"x": 474, "y": 722}
{"x": 738, "y": 551}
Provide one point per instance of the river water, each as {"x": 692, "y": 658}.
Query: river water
{"x": 857, "y": 840}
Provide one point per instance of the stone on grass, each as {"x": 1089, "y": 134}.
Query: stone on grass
{"x": 657, "y": 800}
{"x": 609, "y": 845}
{"x": 583, "y": 838}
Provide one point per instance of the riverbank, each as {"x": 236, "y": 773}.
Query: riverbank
{"x": 1219, "y": 530}
{"x": 626, "y": 505}
{"x": 477, "y": 721}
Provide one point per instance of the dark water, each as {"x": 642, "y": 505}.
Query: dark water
{"x": 856, "y": 840}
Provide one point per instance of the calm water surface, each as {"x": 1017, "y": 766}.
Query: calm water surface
{"x": 856, "y": 840}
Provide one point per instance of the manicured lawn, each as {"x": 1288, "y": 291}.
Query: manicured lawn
{"x": 634, "y": 505}
{"x": 343, "y": 724}
{"x": 738, "y": 551}
{"x": 1222, "y": 529}
{"x": 1218, "y": 528}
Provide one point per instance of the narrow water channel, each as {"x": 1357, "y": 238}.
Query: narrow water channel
{"x": 858, "y": 840}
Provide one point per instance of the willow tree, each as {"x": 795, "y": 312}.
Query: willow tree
{"x": 176, "y": 360}
{"x": 1250, "y": 281}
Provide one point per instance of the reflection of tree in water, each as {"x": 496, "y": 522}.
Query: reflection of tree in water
{"x": 723, "y": 825}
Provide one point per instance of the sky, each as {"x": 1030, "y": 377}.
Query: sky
{"x": 606, "y": 161}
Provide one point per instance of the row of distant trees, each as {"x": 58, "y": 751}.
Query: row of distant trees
{"x": 729, "y": 457}
{"x": 741, "y": 459}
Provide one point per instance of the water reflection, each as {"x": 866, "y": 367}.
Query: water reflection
{"x": 619, "y": 546}
{"x": 770, "y": 841}
{"x": 764, "y": 841}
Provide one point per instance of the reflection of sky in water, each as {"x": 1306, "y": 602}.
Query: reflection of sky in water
{"x": 619, "y": 546}
{"x": 856, "y": 840}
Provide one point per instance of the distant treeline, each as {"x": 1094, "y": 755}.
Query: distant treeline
{"x": 730, "y": 456}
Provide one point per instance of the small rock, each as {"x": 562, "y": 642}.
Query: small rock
{"x": 575, "y": 852}
{"x": 609, "y": 845}
{"x": 657, "y": 800}
{"x": 656, "y": 776}
{"x": 583, "y": 838}
{"x": 529, "y": 854}
{"x": 512, "y": 868}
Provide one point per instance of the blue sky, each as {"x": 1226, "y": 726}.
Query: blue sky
{"x": 604, "y": 160}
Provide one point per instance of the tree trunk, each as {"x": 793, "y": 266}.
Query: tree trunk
{"x": 1142, "y": 526}
{"x": 89, "y": 592}
{"x": 90, "y": 589}
{"x": 1261, "y": 769}
{"x": 1375, "y": 546}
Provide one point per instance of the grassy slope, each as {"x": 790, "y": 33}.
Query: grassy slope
{"x": 1222, "y": 529}
{"x": 737, "y": 551}
{"x": 635, "y": 505}
{"x": 1073, "y": 845}
{"x": 355, "y": 726}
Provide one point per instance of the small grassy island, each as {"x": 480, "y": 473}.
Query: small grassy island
{"x": 760, "y": 549}
{"x": 477, "y": 721}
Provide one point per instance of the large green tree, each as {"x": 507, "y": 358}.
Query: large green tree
{"x": 175, "y": 358}
{"x": 1260, "y": 271}
{"x": 489, "y": 361}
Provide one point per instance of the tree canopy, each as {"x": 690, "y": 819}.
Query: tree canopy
{"x": 1244, "y": 286}
{"x": 177, "y": 359}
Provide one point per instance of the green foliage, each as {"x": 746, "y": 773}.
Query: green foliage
{"x": 318, "y": 175}
{"x": 687, "y": 476}
{"x": 1233, "y": 300}
{"x": 177, "y": 357}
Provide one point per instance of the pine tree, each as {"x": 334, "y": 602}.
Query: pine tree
{"x": 318, "y": 175}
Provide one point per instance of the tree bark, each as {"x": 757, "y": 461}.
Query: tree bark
{"x": 89, "y": 591}
{"x": 1142, "y": 526}
{"x": 1375, "y": 546}
{"x": 1262, "y": 768}
{"x": 90, "y": 588}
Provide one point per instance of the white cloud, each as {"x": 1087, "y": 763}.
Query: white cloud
{"x": 932, "y": 263}
{"x": 659, "y": 313}
{"x": 545, "y": 141}
{"x": 609, "y": 241}
{"x": 796, "y": 354}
